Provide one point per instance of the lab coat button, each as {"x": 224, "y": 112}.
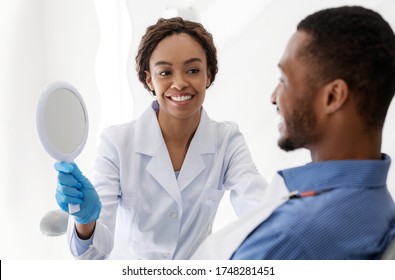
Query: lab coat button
{"x": 174, "y": 215}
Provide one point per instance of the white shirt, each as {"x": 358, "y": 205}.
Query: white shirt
{"x": 147, "y": 212}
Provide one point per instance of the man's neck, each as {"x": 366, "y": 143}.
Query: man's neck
{"x": 363, "y": 146}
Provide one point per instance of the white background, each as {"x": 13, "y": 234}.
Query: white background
{"x": 92, "y": 44}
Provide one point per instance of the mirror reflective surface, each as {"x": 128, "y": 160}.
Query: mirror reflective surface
{"x": 62, "y": 121}
{"x": 65, "y": 121}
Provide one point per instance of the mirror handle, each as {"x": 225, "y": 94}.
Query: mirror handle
{"x": 74, "y": 208}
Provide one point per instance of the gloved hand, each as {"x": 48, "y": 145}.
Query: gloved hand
{"x": 75, "y": 188}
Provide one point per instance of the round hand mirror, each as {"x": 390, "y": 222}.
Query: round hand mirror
{"x": 62, "y": 123}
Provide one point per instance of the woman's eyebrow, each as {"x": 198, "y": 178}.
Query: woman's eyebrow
{"x": 191, "y": 60}
{"x": 163, "y": 63}
{"x": 194, "y": 59}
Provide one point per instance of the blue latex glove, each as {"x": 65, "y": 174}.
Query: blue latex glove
{"x": 75, "y": 188}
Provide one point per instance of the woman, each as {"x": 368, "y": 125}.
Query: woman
{"x": 160, "y": 178}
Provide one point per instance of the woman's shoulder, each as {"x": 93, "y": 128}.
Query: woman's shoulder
{"x": 222, "y": 125}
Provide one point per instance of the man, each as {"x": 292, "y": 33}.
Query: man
{"x": 337, "y": 82}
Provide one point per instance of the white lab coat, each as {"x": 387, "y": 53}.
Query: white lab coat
{"x": 150, "y": 214}
{"x": 222, "y": 244}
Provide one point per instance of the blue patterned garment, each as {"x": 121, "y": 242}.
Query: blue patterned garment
{"x": 355, "y": 219}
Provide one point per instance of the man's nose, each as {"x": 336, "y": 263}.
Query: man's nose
{"x": 273, "y": 97}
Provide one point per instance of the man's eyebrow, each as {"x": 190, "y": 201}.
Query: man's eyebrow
{"x": 282, "y": 68}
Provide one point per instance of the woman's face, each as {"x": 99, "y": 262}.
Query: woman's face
{"x": 179, "y": 76}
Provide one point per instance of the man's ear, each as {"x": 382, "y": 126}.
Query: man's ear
{"x": 148, "y": 80}
{"x": 335, "y": 95}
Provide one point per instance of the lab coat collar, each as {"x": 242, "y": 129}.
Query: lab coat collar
{"x": 151, "y": 138}
{"x": 202, "y": 143}
{"x": 204, "y": 139}
{"x": 150, "y": 142}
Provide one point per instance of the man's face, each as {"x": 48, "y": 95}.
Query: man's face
{"x": 294, "y": 97}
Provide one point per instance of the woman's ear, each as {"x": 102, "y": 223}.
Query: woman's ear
{"x": 148, "y": 80}
{"x": 335, "y": 95}
{"x": 208, "y": 82}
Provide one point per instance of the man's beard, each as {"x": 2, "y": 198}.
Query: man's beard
{"x": 299, "y": 127}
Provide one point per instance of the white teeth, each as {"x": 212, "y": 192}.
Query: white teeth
{"x": 181, "y": 98}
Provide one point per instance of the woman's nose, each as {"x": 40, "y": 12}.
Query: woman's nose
{"x": 179, "y": 82}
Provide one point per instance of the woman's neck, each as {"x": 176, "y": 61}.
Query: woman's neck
{"x": 178, "y": 134}
{"x": 178, "y": 131}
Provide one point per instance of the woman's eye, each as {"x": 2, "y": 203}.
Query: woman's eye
{"x": 194, "y": 70}
{"x": 164, "y": 73}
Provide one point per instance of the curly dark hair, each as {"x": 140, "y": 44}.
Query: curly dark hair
{"x": 166, "y": 27}
{"x": 357, "y": 45}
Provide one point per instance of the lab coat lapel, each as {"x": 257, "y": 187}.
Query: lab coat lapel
{"x": 222, "y": 245}
{"x": 150, "y": 142}
{"x": 202, "y": 143}
{"x": 193, "y": 165}
{"x": 160, "y": 167}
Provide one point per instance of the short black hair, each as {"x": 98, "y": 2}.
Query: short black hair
{"x": 357, "y": 45}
